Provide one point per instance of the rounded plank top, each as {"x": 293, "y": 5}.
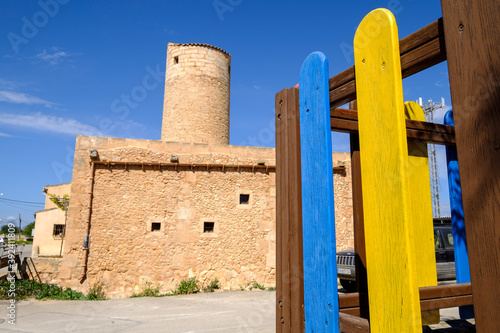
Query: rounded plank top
{"x": 318, "y": 216}
{"x": 390, "y": 258}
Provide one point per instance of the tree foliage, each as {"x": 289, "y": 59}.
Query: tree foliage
{"x": 61, "y": 202}
{"x": 5, "y": 229}
{"x": 27, "y": 229}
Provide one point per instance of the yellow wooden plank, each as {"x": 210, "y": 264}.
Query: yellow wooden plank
{"x": 421, "y": 212}
{"x": 421, "y": 209}
{"x": 390, "y": 258}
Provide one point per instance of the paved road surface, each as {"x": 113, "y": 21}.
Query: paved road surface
{"x": 236, "y": 311}
{"x": 224, "y": 312}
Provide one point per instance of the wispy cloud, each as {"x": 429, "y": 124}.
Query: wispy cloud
{"x": 6, "y": 84}
{"x": 256, "y": 87}
{"x": 5, "y": 135}
{"x": 10, "y": 218}
{"x": 41, "y": 122}
{"x": 129, "y": 125}
{"x": 54, "y": 56}
{"x": 22, "y": 98}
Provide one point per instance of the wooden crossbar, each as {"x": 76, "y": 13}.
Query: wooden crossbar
{"x": 421, "y": 50}
{"x": 353, "y": 324}
{"x": 431, "y": 298}
{"x": 344, "y": 120}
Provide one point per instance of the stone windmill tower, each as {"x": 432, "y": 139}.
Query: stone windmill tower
{"x": 196, "y": 102}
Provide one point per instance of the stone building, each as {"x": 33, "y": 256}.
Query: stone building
{"x": 188, "y": 205}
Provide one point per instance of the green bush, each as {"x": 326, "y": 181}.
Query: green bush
{"x": 24, "y": 289}
{"x": 255, "y": 285}
{"x": 69, "y": 294}
{"x": 149, "y": 289}
{"x": 211, "y": 286}
{"x": 190, "y": 286}
{"x": 96, "y": 292}
{"x": 187, "y": 287}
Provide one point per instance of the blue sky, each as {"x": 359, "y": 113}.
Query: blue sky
{"x": 63, "y": 63}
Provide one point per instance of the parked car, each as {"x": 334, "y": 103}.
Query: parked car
{"x": 445, "y": 258}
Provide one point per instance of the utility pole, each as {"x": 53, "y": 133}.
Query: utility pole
{"x": 19, "y": 231}
{"x": 429, "y": 107}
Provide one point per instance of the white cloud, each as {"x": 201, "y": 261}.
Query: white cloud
{"x": 41, "y": 122}
{"x": 22, "y": 98}
{"x": 256, "y": 87}
{"x": 130, "y": 125}
{"x": 53, "y": 57}
{"x": 5, "y": 135}
{"x": 6, "y": 84}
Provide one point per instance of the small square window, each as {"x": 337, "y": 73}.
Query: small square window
{"x": 155, "y": 226}
{"x": 58, "y": 230}
{"x": 176, "y": 60}
{"x": 244, "y": 199}
{"x": 208, "y": 226}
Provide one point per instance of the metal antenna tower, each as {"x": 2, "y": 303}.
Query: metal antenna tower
{"x": 429, "y": 107}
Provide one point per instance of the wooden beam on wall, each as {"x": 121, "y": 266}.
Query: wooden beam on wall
{"x": 473, "y": 48}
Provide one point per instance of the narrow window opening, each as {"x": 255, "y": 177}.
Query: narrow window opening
{"x": 155, "y": 226}
{"x": 58, "y": 230}
{"x": 229, "y": 69}
{"x": 208, "y": 226}
{"x": 244, "y": 199}
{"x": 176, "y": 60}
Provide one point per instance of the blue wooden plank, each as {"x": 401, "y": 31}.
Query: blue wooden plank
{"x": 457, "y": 219}
{"x": 318, "y": 217}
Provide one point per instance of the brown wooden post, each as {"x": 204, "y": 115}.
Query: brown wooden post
{"x": 473, "y": 52}
{"x": 289, "y": 257}
{"x": 357, "y": 206}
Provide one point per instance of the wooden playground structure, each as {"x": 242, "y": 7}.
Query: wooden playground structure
{"x": 398, "y": 291}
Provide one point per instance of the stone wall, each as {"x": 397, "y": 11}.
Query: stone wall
{"x": 128, "y": 201}
{"x": 44, "y": 269}
{"x": 342, "y": 189}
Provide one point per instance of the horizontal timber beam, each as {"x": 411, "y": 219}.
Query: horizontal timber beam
{"x": 343, "y": 120}
{"x": 420, "y": 50}
{"x": 431, "y": 298}
{"x": 350, "y": 323}
{"x": 156, "y": 165}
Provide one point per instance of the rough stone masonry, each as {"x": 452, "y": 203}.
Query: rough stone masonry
{"x": 189, "y": 205}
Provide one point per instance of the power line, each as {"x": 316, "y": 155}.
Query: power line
{"x": 17, "y": 206}
{"x": 24, "y": 202}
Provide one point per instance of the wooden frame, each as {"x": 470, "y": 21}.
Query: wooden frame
{"x": 474, "y": 73}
